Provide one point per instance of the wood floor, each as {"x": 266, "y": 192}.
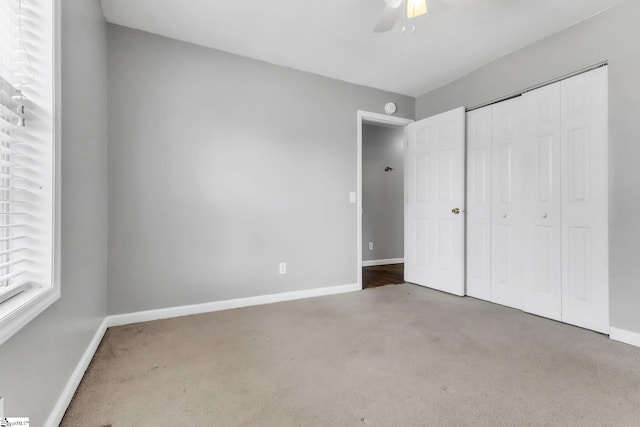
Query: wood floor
{"x": 382, "y": 275}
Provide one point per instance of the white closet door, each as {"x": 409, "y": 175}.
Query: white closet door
{"x": 506, "y": 209}
{"x": 542, "y": 259}
{"x": 585, "y": 295}
{"x": 479, "y": 203}
{"x": 434, "y": 223}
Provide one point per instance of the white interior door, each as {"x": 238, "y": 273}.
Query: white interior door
{"x": 434, "y": 188}
{"x": 585, "y": 257}
{"x": 506, "y": 209}
{"x": 542, "y": 253}
{"x": 478, "y": 213}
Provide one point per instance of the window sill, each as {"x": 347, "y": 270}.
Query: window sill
{"x": 16, "y": 312}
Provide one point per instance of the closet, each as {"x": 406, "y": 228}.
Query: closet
{"x": 537, "y": 203}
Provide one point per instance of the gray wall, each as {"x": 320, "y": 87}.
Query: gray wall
{"x": 220, "y": 167}
{"x": 36, "y": 363}
{"x": 382, "y": 192}
{"x": 611, "y": 36}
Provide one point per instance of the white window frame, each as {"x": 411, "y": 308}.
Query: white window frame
{"x": 20, "y": 310}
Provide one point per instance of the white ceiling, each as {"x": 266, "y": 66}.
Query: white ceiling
{"x": 334, "y": 38}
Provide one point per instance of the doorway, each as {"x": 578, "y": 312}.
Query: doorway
{"x": 380, "y": 198}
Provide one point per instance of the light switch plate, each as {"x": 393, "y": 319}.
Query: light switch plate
{"x": 352, "y": 197}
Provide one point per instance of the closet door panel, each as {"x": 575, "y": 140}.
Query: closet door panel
{"x": 542, "y": 276}
{"x": 506, "y": 206}
{"x": 479, "y": 203}
{"x": 585, "y": 272}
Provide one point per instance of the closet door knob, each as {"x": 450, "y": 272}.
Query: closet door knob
{"x": 504, "y": 215}
{"x": 544, "y": 215}
{"x": 456, "y": 211}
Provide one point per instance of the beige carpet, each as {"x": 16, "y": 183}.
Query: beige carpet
{"x": 392, "y": 356}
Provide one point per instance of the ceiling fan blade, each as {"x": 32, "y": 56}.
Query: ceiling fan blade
{"x": 387, "y": 20}
{"x": 393, "y": 3}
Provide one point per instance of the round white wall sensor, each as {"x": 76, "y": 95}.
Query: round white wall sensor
{"x": 390, "y": 108}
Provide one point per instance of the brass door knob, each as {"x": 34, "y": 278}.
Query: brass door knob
{"x": 456, "y": 211}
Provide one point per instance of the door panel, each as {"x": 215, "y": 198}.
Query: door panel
{"x": 579, "y": 248}
{"x": 434, "y": 235}
{"x": 502, "y": 264}
{"x": 422, "y": 255}
{"x": 479, "y": 203}
{"x": 506, "y": 209}
{"x": 542, "y": 277}
{"x": 585, "y": 271}
{"x": 422, "y": 178}
{"x": 579, "y": 163}
{"x": 445, "y": 247}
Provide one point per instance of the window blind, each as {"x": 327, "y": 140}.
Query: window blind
{"x": 29, "y": 185}
{"x": 18, "y": 158}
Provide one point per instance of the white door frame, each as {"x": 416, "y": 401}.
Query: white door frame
{"x": 375, "y": 119}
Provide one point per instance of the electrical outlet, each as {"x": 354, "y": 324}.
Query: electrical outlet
{"x": 283, "y": 268}
{"x": 370, "y": 246}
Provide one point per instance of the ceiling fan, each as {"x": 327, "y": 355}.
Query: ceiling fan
{"x": 393, "y": 12}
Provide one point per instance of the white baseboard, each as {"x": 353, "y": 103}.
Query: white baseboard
{"x": 74, "y": 381}
{"x": 375, "y": 262}
{"x": 187, "y": 310}
{"x": 627, "y": 337}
